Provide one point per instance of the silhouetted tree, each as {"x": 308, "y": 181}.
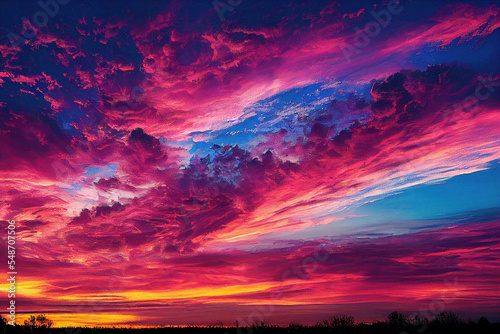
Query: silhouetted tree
{"x": 39, "y": 321}
{"x": 31, "y": 322}
{"x": 419, "y": 323}
{"x": 3, "y": 323}
{"x": 397, "y": 319}
{"x": 342, "y": 322}
{"x": 484, "y": 323}
{"x": 449, "y": 319}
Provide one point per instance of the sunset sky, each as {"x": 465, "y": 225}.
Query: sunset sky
{"x": 194, "y": 162}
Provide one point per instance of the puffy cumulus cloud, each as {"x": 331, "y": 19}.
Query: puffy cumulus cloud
{"x": 178, "y": 81}
{"x": 197, "y": 81}
{"x": 234, "y": 195}
{"x": 397, "y": 146}
{"x": 37, "y": 136}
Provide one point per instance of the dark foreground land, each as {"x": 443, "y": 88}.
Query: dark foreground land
{"x": 397, "y": 323}
{"x": 359, "y": 329}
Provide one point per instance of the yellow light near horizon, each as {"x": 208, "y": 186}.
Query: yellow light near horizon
{"x": 31, "y": 289}
{"x": 36, "y": 289}
{"x": 140, "y": 295}
{"x": 83, "y": 319}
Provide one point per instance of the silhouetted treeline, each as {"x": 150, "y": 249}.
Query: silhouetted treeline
{"x": 397, "y": 323}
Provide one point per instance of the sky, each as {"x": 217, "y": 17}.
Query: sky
{"x": 198, "y": 162}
